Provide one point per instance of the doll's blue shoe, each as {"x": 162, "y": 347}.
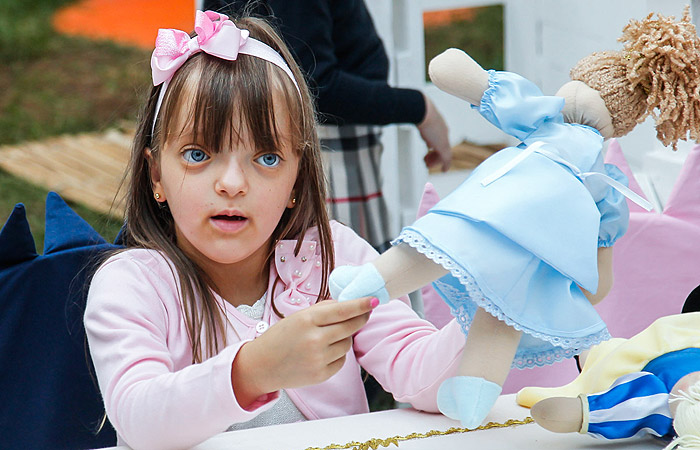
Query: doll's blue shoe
{"x": 340, "y": 277}
{"x": 467, "y": 399}
{"x": 350, "y": 282}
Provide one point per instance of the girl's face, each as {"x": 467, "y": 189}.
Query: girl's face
{"x": 226, "y": 204}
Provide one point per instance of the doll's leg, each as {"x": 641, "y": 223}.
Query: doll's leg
{"x": 486, "y": 361}
{"x": 636, "y": 402}
{"x": 398, "y": 271}
{"x": 406, "y": 270}
{"x": 490, "y": 348}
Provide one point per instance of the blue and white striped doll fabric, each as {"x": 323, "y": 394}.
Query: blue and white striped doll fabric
{"x": 636, "y": 404}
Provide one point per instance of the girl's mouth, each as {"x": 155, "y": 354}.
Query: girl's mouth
{"x": 228, "y": 218}
{"x": 229, "y": 223}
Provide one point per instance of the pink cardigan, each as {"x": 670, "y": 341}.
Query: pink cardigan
{"x": 156, "y": 398}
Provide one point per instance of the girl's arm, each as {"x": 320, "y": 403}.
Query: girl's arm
{"x": 153, "y": 395}
{"x": 156, "y": 398}
{"x": 407, "y": 355}
{"x": 340, "y": 35}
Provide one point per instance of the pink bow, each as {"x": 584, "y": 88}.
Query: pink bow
{"x": 300, "y": 274}
{"x": 216, "y": 35}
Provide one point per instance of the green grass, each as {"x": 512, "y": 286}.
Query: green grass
{"x": 54, "y": 84}
{"x": 75, "y": 85}
{"x": 15, "y": 190}
{"x": 25, "y": 27}
{"x": 481, "y": 37}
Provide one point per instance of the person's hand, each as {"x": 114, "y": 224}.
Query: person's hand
{"x": 306, "y": 348}
{"x": 433, "y": 131}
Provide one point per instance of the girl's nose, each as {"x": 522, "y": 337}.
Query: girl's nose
{"x": 232, "y": 178}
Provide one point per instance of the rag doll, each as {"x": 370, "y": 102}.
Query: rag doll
{"x": 648, "y": 384}
{"x": 521, "y": 250}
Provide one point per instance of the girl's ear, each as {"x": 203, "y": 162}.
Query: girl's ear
{"x": 292, "y": 201}
{"x": 154, "y": 170}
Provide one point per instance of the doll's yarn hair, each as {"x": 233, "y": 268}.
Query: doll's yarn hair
{"x": 687, "y": 420}
{"x": 657, "y": 73}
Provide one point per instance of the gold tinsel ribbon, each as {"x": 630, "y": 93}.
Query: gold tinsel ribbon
{"x": 375, "y": 443}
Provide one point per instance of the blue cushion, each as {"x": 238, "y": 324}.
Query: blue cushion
{"x": 48, "y": 390}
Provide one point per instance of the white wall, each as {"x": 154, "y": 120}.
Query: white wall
{"x": 543, "y": 39}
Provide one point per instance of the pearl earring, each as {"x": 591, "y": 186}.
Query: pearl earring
{"x": 157, "y": 196}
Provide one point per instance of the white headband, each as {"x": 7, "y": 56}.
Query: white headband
{"x": 216, "y": 36}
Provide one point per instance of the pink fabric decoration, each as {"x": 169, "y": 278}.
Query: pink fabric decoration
{"x": 300, "y": 274}
{"x": 657, "y": 263}
{"x": 174, "y": 47}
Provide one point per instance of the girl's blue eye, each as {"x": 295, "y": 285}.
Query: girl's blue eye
{"x": 269, "y": 160}
{"x": 195, "y": 155}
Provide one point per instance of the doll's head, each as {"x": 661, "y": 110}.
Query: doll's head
{"x": 254, "y": 100}
{"x": 656, "y": 73}
{"x": 686, "y": 420}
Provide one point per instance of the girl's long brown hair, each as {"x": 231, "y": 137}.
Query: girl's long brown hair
{"x": 222, "y": 95}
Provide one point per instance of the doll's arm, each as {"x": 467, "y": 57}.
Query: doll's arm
{"x": 456, "y": 73}
{"x": 614, "y": 221}
{"x": 605, "y": 276}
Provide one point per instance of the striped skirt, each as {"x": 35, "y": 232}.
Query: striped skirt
{"x": 351, "y": 161}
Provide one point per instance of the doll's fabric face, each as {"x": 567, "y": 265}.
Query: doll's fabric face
{"x": 585, "y": 106}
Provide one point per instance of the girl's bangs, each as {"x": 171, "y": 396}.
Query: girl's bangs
{"x": 220, "y": 114}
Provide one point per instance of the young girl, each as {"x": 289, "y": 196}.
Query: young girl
{"x": 213, "y": 318}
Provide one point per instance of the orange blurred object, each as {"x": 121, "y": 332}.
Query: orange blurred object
{"x": 447, "y": 16}
{"x": 131, "y": 22}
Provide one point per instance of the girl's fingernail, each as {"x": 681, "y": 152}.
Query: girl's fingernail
{"x": 374, "y": 302}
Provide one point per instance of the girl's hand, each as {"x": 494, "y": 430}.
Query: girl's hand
{"x": 305, "y": 348}
{"x": 433, "y": 130}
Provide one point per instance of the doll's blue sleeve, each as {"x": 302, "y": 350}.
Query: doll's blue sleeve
{"x": 614, "y": 212}
{"x": 516, "y": 105}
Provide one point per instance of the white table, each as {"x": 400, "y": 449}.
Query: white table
{"x": 402, "y": 422}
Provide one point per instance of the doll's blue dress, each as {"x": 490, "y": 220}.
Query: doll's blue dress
{"x": 521, "y": 233}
